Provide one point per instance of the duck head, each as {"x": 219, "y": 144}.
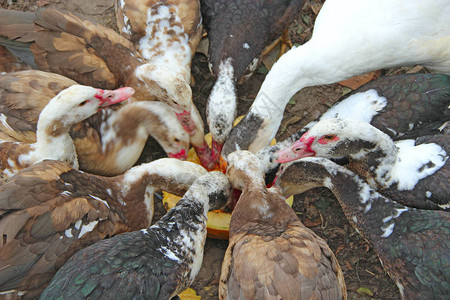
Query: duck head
{"x": 168, "y": 87}
{"x": 304, "y": 174}
{"x": 244, "y": 168}
{"x": 79, "y": 102}
{"x": 217, "y": 187}
{"x": 331, "y": 138}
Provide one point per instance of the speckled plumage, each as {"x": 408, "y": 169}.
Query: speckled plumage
{"x": 271, "y": 254}
{"x": 154, "y": 263}
{"x": 49, "y": 211}
{"x": 415, "y": 170}
{"x": 240, "y": 29}
{"x": 412, "y": 244}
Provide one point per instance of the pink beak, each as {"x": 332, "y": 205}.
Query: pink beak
{"x": 108, "y": 97}
{"x": 182, "y": 155}
{"x": 186, "y": 121}
{"x": 295, "y": 151}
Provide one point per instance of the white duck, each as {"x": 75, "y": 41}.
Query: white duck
{"x": 53, "y": 141}
{"x": 350, "y": 37}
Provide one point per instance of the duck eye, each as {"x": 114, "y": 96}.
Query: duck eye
{"x": 329, "y": 137}
{"x": 83, "y": 103}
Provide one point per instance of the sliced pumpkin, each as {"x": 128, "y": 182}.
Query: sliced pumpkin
{"x": 189, "y": 294}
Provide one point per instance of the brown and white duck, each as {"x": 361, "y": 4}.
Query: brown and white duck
{"x": 271, "y": 254}
{"x": 402, "y": 106}
{"x": 53, "y": 140}
{"x": 92, "y": 54}
{"x": 154, "y": 263}
{"x": 108, "y": 143}
{"x": 166, "y": 34}
{"x": 350, "y": 37}
{"x": 414, "y": 171}
{"x": 49, "y": 211}
{"x": 238, "y": 31}
{"x": 412, "y": 244}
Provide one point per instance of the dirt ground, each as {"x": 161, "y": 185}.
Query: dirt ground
{"x": 318, "y": 209}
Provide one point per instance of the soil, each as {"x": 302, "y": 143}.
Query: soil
{"x": 318, "y": 209}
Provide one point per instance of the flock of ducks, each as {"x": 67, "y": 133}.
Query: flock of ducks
{"x": 76, "y": 210}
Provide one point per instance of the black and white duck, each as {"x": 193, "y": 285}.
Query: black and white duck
{"x": 158, "y": 262}
{"x": 414, "y": 171}
{"x": 412, "y": 244}
{"x": 402, "y": 106}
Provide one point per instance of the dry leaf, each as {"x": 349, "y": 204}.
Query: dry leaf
{"x": 364, "y": 291}
{"x": 357, "y": 81}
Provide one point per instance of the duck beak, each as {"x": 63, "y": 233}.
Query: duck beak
{"x": 296, "y": 151}
{"x": 108, "y": 97}
{"x": 186, "y": 121}
{"x": 182, "y": 155}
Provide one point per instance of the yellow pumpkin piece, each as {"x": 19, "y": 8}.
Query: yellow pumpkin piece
{"x": 189, "y": 294}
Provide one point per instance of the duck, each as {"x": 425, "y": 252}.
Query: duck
{"x": 157, "y": 262}
{"x": 109, "y": 142}
{"x": 49, "y": 211}
{"x": 53, "y": 140}
{"x": 271, "y": 254}
{"x": 238, "y": 32}
{"x": 412, "y": 244}
{"x": 92, "y": 54}
{"x": 166, "y": 34}
{"x": 350, "y": 38}
{"x": 414, "y": 171}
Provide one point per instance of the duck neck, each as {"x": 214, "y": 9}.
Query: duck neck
{"x": 222, "y": 102}
{"x": 125, "y": 131}
{"x": 138, "y": 184}
{"x": 376, "y": 159}
{"x": 53, "y": 141}
{"x": 296, "y": 69}
{"x": 371, "y": 214}
{"x": 259, "y": 205}
{"x": 186, "y": 224}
